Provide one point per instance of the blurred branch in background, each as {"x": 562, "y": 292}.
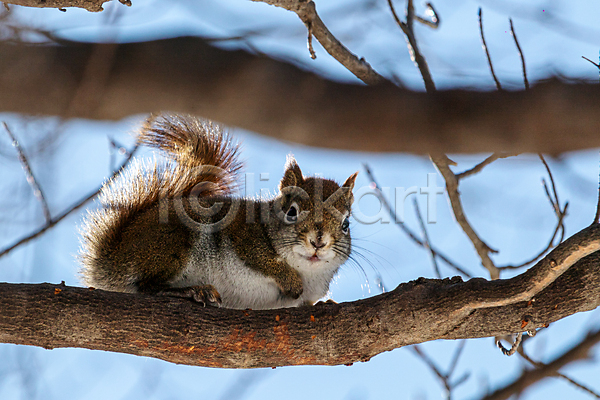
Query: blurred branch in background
{"x": 572, "y": 381}
{"x": 195, "y": 77}
{"x": 75, "y": 206}
{"x": 560, "y": 216}
{"x": 413, "y": 236}
{"x": 37, "y": 190}
{"x": 579, "y": 352}
{"x": 445, "y": 378}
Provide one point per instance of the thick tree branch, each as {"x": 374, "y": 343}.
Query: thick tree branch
{"x": 90, "y": 5}
{"x": 239, "y": 89}
{"x": 182, "y": 332}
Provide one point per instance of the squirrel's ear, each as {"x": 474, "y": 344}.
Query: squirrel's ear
{"x": 292, "y": 175}
{"x": 350, "y": 181}
{"x": 350, "y": 185}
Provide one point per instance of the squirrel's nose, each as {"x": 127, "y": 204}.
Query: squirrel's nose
{"x": 318, "y": 244}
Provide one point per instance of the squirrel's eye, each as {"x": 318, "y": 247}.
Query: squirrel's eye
{"x": 346, "y": 225}
{"x": 291, "y": 216}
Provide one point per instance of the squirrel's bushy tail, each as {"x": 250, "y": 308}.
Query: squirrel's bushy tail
{"x": 201, "y": 150}
{"x": 203, "y": 162}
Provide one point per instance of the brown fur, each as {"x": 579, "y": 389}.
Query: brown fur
{"x": 124, "y": 247}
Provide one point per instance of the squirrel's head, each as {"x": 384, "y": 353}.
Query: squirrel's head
{"x": 312, "y": 218}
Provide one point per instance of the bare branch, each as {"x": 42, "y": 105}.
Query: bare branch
{"x": 426, "y": 241}
{"x": 443, "y": 165}
{"x": 456, "y": 356}
{"x": 407, "y": 230}
{"x": 435, "y": 19}
{"x": 538, "y": 364}
{"x": 487, "y": 53}
{"x": 559, "y": 226}
{"x": 89, "y": 5}
{"x": 66, "y": 212}
{"x": 555, "y": 202}
{"x": 413, "y": 48}
{"x": 308, "y": 14}
{"x": 37, "y": 190}
{"x": 313, "y": 55}
{"x": 577, "y": 353}
{"x": 476, "y": 169}
{"x": 560, "y": 216}
{"x": 597, "y": 65}
{"x": 514, "y": 35}
{"x": 441, "y": 376}
{"x": 444, "y": 377}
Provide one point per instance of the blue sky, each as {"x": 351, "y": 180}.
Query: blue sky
{"x": 505, "y": 203}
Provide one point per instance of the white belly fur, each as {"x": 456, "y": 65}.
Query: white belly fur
{"x": 241, "y": 287}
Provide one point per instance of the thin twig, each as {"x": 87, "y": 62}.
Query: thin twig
{"x": 483, "y": 250}
{"x": 456, "y": 357}
{"x": 435, "y": 19}
{"x": 554, "y": 191}
{"x": 487, "y": 53}
{"x": 513, "y": 348}
{"x": 436, "y": 370}
{"x": 37, "y": 191}
{"x": 426, "y": 241}
{"x": 514, "y": 35}
{"x": 313, "y": 55}
{"x": 65, "y": 213}
{"x": 559, "y": 226}
{"x": 476, "y": 169}
{"x": 560, "y": 215}
{"x": 416, "y": 56}
{"x": 407, "y": 230}
{"x": 597, "y": 65}
{"x": 444, "y": 377}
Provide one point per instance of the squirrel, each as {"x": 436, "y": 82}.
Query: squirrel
{"x": 177, "y": 229}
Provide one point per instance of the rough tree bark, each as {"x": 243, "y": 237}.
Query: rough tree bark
{"x": 112, "y": 81}
{"x": 90, "y": 5}
{"x": 183, "y": 332}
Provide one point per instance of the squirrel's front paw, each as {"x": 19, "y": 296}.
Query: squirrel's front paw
{"x": 204, "y": 294}
{"x": 292, "y": 287}
{"x": 293, "y": 292}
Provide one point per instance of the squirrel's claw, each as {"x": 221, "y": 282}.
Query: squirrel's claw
{"x": 203, "y": 294}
